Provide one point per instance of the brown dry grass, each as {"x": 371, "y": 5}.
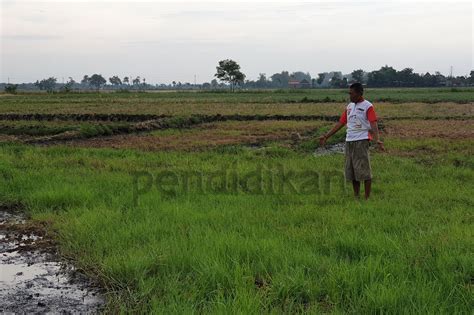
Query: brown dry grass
{"x": 425, "y": 129}
{"x": 8, "y": 138}
{"x": 207, "y": 135}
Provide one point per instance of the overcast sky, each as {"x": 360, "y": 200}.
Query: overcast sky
{"x": 166, "y": 41}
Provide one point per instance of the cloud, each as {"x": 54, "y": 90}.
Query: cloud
{"x": 175, "y": 40}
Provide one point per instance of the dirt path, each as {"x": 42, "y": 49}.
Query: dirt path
{"x": 32, "y": 277}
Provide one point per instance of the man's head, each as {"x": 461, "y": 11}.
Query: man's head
{"x": 356, "y": 90}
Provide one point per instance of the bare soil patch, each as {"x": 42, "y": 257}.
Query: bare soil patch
{"x": 207, "y": 135}
{"x": 423, "y": 129}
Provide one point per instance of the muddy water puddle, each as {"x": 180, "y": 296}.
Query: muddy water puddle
{"x": 330, "y": 149}
{"x": 33, "y": 278}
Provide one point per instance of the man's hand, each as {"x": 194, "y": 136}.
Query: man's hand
{"x": 324, "y": 137}
{"x": 380, "y": 145}
{"x": 322, "y": 140}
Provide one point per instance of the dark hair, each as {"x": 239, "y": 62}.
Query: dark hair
{"x": 357, "y": 87}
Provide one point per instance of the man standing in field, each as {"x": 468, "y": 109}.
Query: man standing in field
{"x": 361, "y": 121}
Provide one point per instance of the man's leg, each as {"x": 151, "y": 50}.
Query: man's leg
{"x": 362, "y": 169}
{"x": 356, "y": 187}
{"x": 367, "y": 187}
{"x": 349, "y": 169}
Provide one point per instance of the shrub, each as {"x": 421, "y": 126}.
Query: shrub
{"x": 11, "y": 88}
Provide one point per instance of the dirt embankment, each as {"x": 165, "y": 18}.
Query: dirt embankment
{"x": 200, "y": 117}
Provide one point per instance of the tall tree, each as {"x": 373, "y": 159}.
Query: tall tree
{"x": 97, "y": 81}
{"x": 115, "y": 80}
{"x": 357, "y": 76}
{"x": 262, "y": 81}
{"x": 406, "y": 77}
{"x": 67, "y": 87}
{"x": 48, "y": 84}
{"x": 229, "y": 71}
{"x": 386, "y": 76}
{"x": 336, "y": 80}
{"x": 280, "y": 79}
{"x": 85, "y": 80}
{"x": 300, "y": 76}
{"x": 136, "y": 81}
{"x": 321, "y": 77}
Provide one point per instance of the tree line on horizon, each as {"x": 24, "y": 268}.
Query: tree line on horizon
{"x": 230, "y": 76}
{"x": 386, "y": 76}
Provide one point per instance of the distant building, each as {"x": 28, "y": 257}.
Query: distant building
{"x": 296, "y": 84}
{"x": 293, "y": 84}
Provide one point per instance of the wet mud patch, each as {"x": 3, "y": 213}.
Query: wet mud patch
{"x": 330, "y": 149}
{"x": 33, "y": 277}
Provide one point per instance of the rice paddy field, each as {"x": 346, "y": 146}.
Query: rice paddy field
{"x": 213, "y": 202}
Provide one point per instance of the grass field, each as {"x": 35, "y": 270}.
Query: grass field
{"x": 128, "y": 207}
{"x": 391, "y": 102}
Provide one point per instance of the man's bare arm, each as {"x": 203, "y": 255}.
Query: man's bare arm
{"x": 323, "y": 138}
{"x": 374, "y": 129}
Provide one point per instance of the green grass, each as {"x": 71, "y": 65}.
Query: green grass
{"x": 48, "y": 128}
{"x": 407, "y": 250}
{"x": 430, "y": 95}
{"x": 312, "y": 142}
{"x": 33, "y": 128}
{"x": 168, "y": 250}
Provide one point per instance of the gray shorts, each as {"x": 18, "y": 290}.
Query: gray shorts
{"x": 357, "y": 160}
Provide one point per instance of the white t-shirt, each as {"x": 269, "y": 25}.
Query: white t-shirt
{"x": 358, "y": 117}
